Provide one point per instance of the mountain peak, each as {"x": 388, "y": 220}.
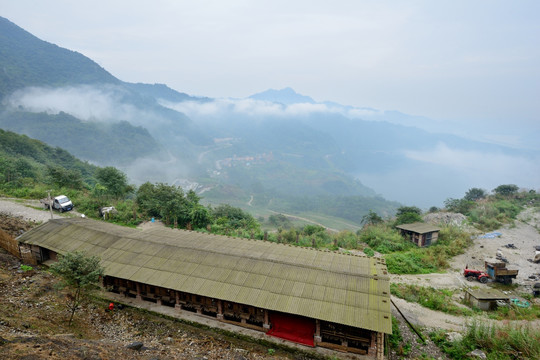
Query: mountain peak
{"x": 286, "y": 96}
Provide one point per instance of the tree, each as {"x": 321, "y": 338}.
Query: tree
{"x": 408, "y": 209}
{"x": 62, "y": 177}
{"x": 462, "y": 206}
{"x": 506, "y": 190}
{"x": 170, "y": 204}
{"x": 200, "y": 216}
{"x": 114, "y": 181}
{"x": 408, "y": 218}
{"x": 408, "y": 215}
{"x": 475, "y": 194}
{"x": 81, "y": 275}
{"x": 313, "y": 229}
{"x": 235, "y": 217}
{"x": 371, "y": 218}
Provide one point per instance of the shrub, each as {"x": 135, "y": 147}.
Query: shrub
{"x": 409, "y": 262}
{"x": 384, "y": 239}
{"x": 369, "y": 252}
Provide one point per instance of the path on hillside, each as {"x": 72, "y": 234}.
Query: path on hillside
{"x": 304, "y": 219}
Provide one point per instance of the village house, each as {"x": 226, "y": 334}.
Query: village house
{"x": 421, "y": 234}
{"x": 311, "y": 297}
{"x": 485, "y": 299}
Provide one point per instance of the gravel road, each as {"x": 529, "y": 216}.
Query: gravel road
{"x": 28, "y": 210}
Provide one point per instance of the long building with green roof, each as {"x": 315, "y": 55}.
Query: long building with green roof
{"x": 313, "y": 297}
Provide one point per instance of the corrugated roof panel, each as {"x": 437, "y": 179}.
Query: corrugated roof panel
{"x": 255, "y": 281}
{"x": 318, "y": 292}
{"x": 143, "y": 275}
{"x": 297, "y": 288}
{"x": 187, "y": 268}
{"x": 307, "y": 293}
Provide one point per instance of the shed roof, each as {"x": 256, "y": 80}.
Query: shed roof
{"x": 418, "y": 227}
{"x": 487, "y": 294}
{"x": 330, "y": 286}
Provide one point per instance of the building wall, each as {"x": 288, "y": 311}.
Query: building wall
{"x": 420, "y": 239}
{"x": 326, "y": 334}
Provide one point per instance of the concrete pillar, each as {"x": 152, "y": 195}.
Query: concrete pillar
{"x": 177, "y": 305}
{"x": 380, "y": 346}
{"x": 372, "y": 351}
{"x": 138, "y": 291}
{"x": 317, "y": 338}
{"x": 219, "y": 310}
{"x": 266, "y": 324}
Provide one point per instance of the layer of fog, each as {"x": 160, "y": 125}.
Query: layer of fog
{"x": 106, "y": 104}
{"x": 436, "y": 174}
{"x": 103, "y": 103}
{"x": 490, "y": 132}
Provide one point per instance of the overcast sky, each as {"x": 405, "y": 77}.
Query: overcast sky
{"x": 448, "y": 60}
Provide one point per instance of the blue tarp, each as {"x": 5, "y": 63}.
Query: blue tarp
{"x": 491, "y": 235}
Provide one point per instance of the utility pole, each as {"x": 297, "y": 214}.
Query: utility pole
{"x": 50, "y": 202}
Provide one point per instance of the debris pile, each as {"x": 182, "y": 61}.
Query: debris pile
{"x": 445, "y": 218}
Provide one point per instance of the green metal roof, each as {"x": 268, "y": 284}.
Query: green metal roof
{"x": 341, "y": 288}
{"x": 487, "y": 294}
{"x": 418, "y": 227}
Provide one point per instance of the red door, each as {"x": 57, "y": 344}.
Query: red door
{"x": 292, "y": 327}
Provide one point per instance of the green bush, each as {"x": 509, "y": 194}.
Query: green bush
{"x": 409, "y": 262}
{"x": 384, "y": 239}
{"x": 369, "y": 252}
{"x": 395, "y": 338}
{"x": 434, "y": 299}
{"x": 498, "y": 342}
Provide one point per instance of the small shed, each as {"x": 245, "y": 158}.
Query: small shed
{"x": 421, "y": 234}
{"x": 485, "y": 299}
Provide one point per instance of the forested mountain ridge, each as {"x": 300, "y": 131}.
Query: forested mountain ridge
{"x": 26, "y": 60}
{"x": 24, "y": 158}
{"x": 101, "y": 142}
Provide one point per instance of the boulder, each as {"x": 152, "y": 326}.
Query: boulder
{"x": 136, "y": 345}
{"x": 477, "y": 354}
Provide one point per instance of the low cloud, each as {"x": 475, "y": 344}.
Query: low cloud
{"x": 84, "y": 102}
{"x": 103, "y": 103}
{"x": 251, "y": 107}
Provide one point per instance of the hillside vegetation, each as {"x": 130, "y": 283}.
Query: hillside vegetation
{"x": 28, "y": 61}
{"x": 113, "y": 142}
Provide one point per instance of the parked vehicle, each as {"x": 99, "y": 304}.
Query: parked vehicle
{"x": 497, "y": 271}
{"x": 479, "y": 275}
{"x": 61, "y": 203}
